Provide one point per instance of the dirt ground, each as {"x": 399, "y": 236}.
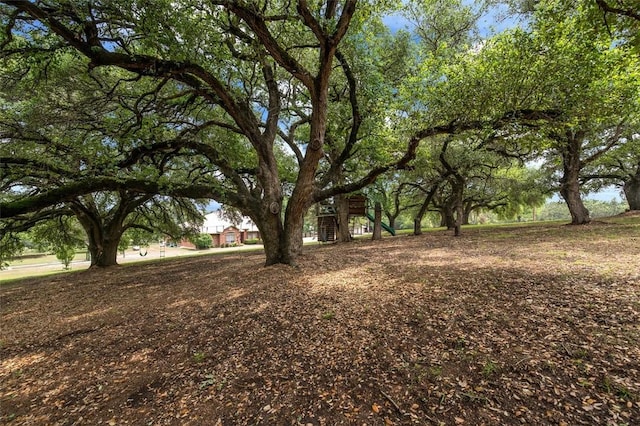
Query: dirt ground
{"x": 518, "y": 325}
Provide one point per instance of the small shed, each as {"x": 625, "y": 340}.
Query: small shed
{"x": 327, "y": 228}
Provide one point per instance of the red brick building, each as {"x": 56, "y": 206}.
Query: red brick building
{"x": 224, "y": 233}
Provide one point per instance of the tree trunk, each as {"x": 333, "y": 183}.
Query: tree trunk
{"x": 274, "y": 234}
{"x": 282, "y": 239}
{"x": 293, "y": 238}
{"x": 447, "y": 216}
{"x": 392, "y": 220}
{"x": 632, "y": 191}
{"x": 290, "y": 243}
{"x": 103, "y": 245}
{"x": 570, "y": 181}
{"x": 456, "y": 204}
{"x": 417, "y": 226}
{"x": 103, "y": 237}
{"x": 107, "y": 254}
{"x": 377, "y": 223}
{"x": 275, "y": 247}
{"x": 343, "y": 218}
{"x": 417, "y": 221}
{"x": 571, "y": 195}
{"x": 459, "y": 219}
{"x": 468, "y": 209}
{"x": 104, "y": 229}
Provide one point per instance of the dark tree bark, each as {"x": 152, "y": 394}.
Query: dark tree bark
{"x": 417, "y": 225}
{"x": 377, "y": 223}
{"x": 570, "y": 192}
{"x": 631, "y": 190}
{"x": 342, "y": 204}
{"x": 459, "y": 215}
{"x": 393, "y": 213}
{"x": 454, "y": 208}
{"x": 466, "y": 212}
{"x": 391, "y": 220}
{"x": 273, "y": 237}
{"x": 570, "y": 180}
{"x": 457, "y": 187}
{"x": 447, "y": 216}
{"x": 104, "y": 229}
{"x": 105, "y": 252}
{"x": 619, "y": 8}
{"x": 103, "y": 237}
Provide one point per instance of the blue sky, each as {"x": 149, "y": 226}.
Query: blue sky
{"x": 494, "y": 21}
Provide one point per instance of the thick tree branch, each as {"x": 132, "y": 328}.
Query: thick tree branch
{"x": 68, "y": 192}
{"x": 189, "y": 73}
{"x": 260, "y": 29}
{"x": 611, "y": 141}
{"x": 629, "y": 12}
{"x": 356, "y": 121}
{"x": 25, "y": 222}
{"x": 454, "y": 127}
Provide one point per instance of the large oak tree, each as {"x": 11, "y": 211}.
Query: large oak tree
{"x": 260, "y": 68}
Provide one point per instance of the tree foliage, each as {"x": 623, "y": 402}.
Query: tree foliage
{"x": 270, "y": 106}
{"x": 253, "y": 71}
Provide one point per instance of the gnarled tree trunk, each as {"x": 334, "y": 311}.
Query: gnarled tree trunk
{"x": 459, "y": 218}
{"x": 458, "y": 190}
{"x": 391, "y": 220}
{"x": 466, "y": 213}
{"x": 570, "y": 181}
{"x": 631, "y": 190}
{"x": 104, "y": 253}
{"x": 571, "y": 194}
{"x": 104, "y": 229}
{"x": 103, "y": 241}
{"x": 272, "y": 234}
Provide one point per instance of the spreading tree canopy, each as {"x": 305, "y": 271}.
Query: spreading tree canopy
{"x": 259, "y": 70}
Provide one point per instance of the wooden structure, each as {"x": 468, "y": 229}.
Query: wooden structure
{"x": 327, "y": 216}
{"x": 357, "y": 205}
{"x": 327, "y": 227}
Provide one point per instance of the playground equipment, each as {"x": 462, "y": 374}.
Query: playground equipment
{"x": 384, "y": 225}
{"x": 327, "y": 216}
{"x": 327, "y": 222}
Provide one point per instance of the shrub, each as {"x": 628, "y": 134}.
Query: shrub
{"x": 202, "y": 241}
{"x": 65, "y": 254}
{"x": 252, "y": 241}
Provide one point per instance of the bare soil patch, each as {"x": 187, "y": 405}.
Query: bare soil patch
{"x": 531, "y": 325}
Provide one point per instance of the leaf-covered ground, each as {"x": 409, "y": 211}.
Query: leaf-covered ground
{"x": 524, "y": 325}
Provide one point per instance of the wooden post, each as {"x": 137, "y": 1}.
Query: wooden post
{"x": 377, "y": 223}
